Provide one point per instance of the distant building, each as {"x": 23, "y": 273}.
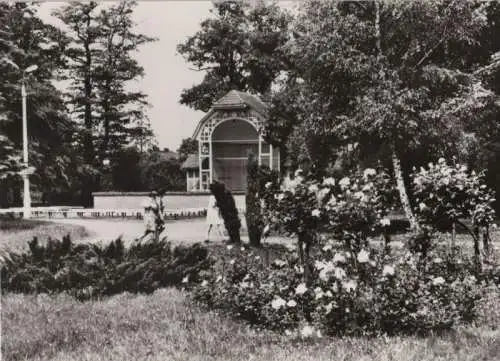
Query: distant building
{"x": 227, "y": 134}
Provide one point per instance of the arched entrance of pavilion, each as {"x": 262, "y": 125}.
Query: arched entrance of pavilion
{"x": 232, "y": 142}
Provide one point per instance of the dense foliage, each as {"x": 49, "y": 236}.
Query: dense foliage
{"x": 257, "y": 178}
{"x": 90, "y": 270}
{"x": 239, "y": 47}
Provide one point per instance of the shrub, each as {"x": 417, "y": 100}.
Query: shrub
{"x": 89, "y": 270}
{"x": 350, "y": 208}
{"x": 447, "y": 195}
{"x": 370, "y": 292}
{"x": 229, "y": 212}
{"x": 257, "y": 178}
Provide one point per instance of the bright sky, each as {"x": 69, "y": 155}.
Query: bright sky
{"x": 166, "y": 71}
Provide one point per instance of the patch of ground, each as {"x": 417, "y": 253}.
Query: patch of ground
{"x": 167, "y": 326}
{"x": 15, "y": 234}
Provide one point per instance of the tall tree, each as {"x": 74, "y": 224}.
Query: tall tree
{"x": 381, "y": 77}
{"x": 100, "y": 65}
{"x": 239, "y": 48}
{"x": 28, "y": 41}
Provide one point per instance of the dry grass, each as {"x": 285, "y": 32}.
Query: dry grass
{"x": 15, "y": 234}
{"x": 166, "y": 326}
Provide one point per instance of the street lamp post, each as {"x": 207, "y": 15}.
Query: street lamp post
{"x": 26, "y": 180}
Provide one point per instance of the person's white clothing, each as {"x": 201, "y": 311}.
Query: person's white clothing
{"x": 213, "y": 215}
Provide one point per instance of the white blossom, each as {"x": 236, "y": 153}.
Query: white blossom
{"x": 204, "y": 283}
{"x": 350, "y": 285}
{"x": 279, "y": 263}
{"x": 313, "y": 188}
{"x": 369, "y": 172}
{"x": 185, "y": 279}
{"x": 344, "y": 182}
{"x": 338, "y": 258}
{"x": 230, "y": 247}
{"x": 328, "y": 308}
{"x": 301, "y": 289}
{"x": 268, "y": 185}
{"x": 330, "y": 181}
{"x": 307, "y": 331}
{"x": 291, "y": 303}
{"x": 277, "y": 303}
{"x": 385, "y": 222}
{"x": 438, "y": 281}
{"x": 322, "y": 193}
{"x": 315, "y": 213}
{"x": 339, "y": 273}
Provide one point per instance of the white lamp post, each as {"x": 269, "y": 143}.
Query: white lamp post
{"x": 26, "y": 180}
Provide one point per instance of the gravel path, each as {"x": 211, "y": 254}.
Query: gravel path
{"x": 185, "y": 231}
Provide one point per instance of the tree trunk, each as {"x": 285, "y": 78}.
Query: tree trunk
{"x": 304, "y": 245}
{"x": 453, "y": 235}
{"x": 403, "y": 195}
{"x": 486, "y": 244}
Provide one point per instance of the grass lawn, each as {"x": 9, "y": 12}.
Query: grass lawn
{"x": 15, "y": 234}
{"x": 166, "y": 326}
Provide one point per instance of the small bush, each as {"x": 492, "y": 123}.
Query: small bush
{"x": 89, "y": 270}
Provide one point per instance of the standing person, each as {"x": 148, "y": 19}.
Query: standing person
{"x": 214, "y": 217}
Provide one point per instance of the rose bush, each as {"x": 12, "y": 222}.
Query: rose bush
{"x": 447, "y": 195}
{"x": 373, "y": 291}
{"x": 350, "y": 208}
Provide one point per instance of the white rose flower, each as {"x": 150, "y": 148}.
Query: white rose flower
{"x": 330, "y": 181}
{"x": 230, "y": 247}
{"x": 328, "y": 308}
{"x": 358, "y": 195}
{"x": 350, "y": 285}
{"x": 279, "y": 263}
{"x": 332, "y": 201}
{"x": 301, "y": 289}
{"x": 307, "y": 331}
{"x": 291, "y": 303}
{"x": 344, "y": 182}
{"x": 277, "y": 303}
{"x": 339, "y": 273}
{"x": 363, "y": 256}
{"x": 369, "y": 172}
{"x": 385, "y": 222}
{"x": 322, "y": 194}
{"x": 438, "y": 281}
{"x": 316, "y": 213}
{"x": 313, "y": 188}
{"x": 388, "y": 270}
{"x": 338, "y": 258}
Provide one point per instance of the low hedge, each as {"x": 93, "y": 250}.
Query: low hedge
{"x": 90, "y": 271}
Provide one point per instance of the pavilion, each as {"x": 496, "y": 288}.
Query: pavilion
{"x": 227, "y": 135}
